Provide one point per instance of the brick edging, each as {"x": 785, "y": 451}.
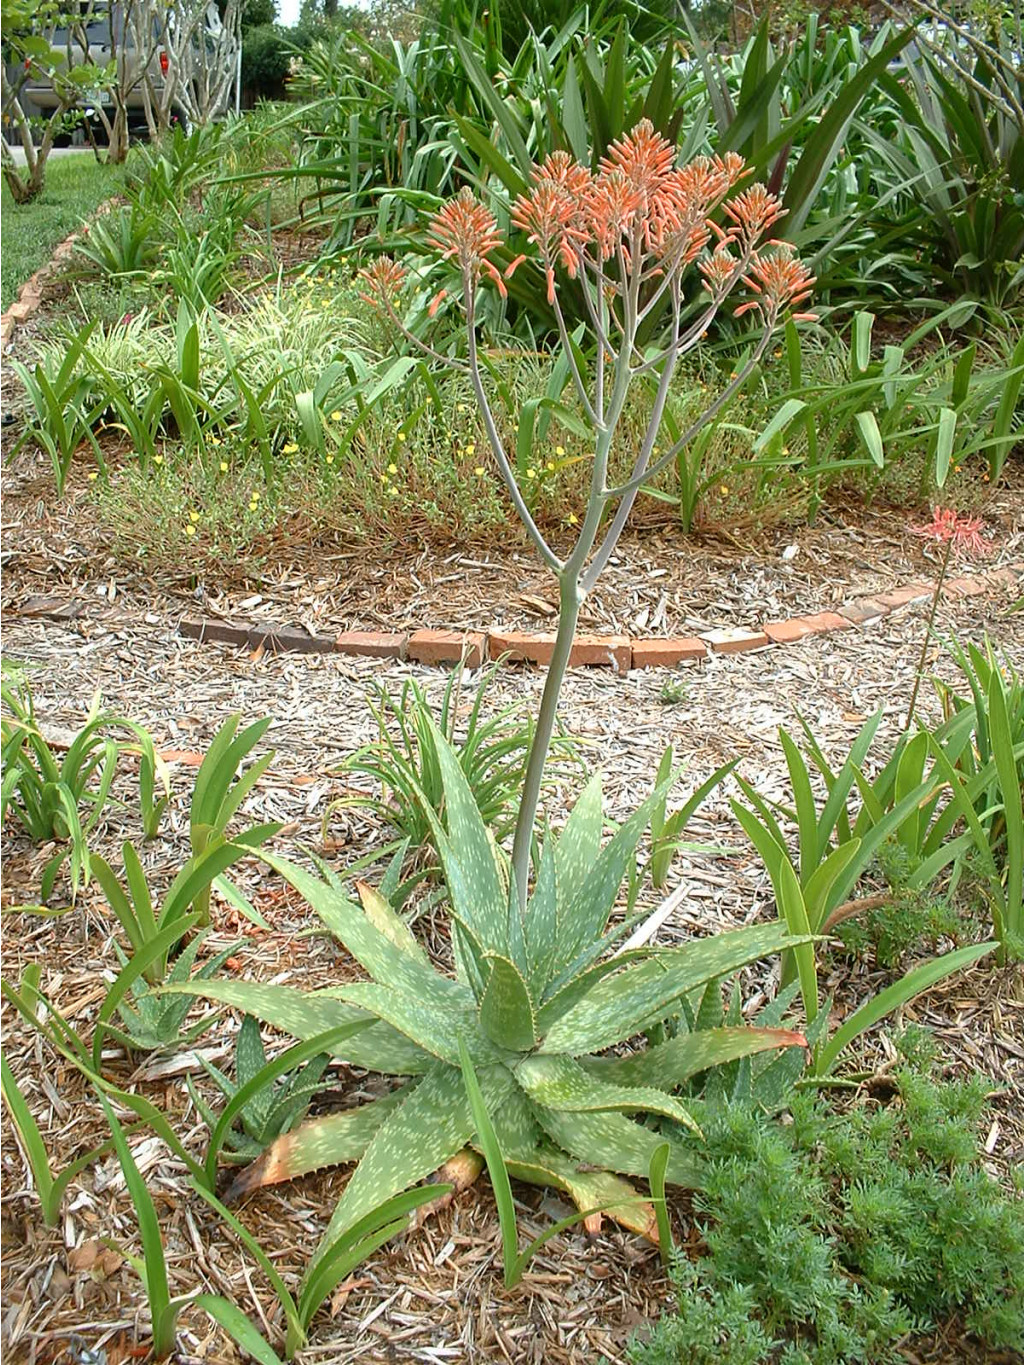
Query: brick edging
{"x": 615, "y": 651}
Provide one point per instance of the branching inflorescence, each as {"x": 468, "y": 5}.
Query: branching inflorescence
{"x": 626, "y": 237}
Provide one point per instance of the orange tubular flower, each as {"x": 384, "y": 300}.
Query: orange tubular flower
{"x": 550, "y": 216}
{"x": 781, "y": 281}
{"x": 754, "y": 211}
{"x": 384, "y": 279}
{"x": 610, "y": 205}
{"x": 718, "y": 269}
{"x": 465, "y": 231}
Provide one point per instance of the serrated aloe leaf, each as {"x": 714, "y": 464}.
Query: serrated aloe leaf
{"x": 468, "y": 836}
{"x": 589, "y": 904}
{"x": 373, "y": 950}
{"x": 613, "y": 1142}
{"x": 250, "y": 1057}
{"x": 579, "y": 986}
{"x": 670, "y": 1063}
{"x": 427, "y": 1129}
{"x": 391, "y": 925}
{"x": 305, "y": 1014}
{"x": 579, "y": 843}
{"x": 432, "y": 1026}
{"x": 514, "y": 1122}
{"x": 328, "y": 1141}
{"x": 621, "y": 1004}
{"x": 561, "y": 1083}
{"x": 542, "y": 921}
{"x": 507, "y": 1014}
{"x": 587, "y": 1189}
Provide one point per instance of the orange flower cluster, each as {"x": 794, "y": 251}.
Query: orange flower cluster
{"x": 465, "y": 231}
{"x": 781, "y": 281}
{"x": 384, "y": 279}
{"x": 639, "y": 203}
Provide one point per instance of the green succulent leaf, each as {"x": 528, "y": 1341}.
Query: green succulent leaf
{"x": 305, "y": 1014}
{"x": 610, "y": 1141}
{"x": 391, "y": 925}
{"x": 561, "y": 1083}
{"x": 621, "y": 1004}
{"x": 432, "y": 1025}
{"x": 430, "y": 1125}
{"x": 507, "y": 1014}
{"x": 671, "y": 1063}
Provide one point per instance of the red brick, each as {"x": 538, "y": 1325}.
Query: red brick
{"x": 536, "y": 647}
{"x": 787, "y": 632}
{"x": 1004, "y": 578}
{"x": 7, "y": 326}
{"x": 448, "y": 647}
{"x": 735, "y": 640}
{"x": 966, "y": 587}
{"x": 858, "y": 613}
{"x": 874, "y": 605}
{"x": 20, "y": 312}
{"x": 371, "y": 644}
{"x": 667, "y": 653}
{"x": 824, "y": 621}
{"x": 902, "y": 597}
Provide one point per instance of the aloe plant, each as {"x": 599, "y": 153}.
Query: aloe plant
{"x": 534, "y": 999}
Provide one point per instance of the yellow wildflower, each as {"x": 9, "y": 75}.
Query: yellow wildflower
{"x": 193, "y": 516}
{"x": 551, "y": 464}
{"x": 572, "y": 518}
{"x": 93, "y": 475}
{"x": 559, "y": 450}
{"x": 329, "y": 459}
{"x": 401, "y": 435}
{"x": 335, "y": 416}
{"x": 723, "y": 490}
{"x": 223, "y": 466}
{"x": 289, "y": 448}
{"x": 158, "y": 459}
{"x": 392, "y": 469}
{"x": 479, "y": 471}
{"x": 190, "y": 530}
{"x": 460, "y": 407}
{"x": 531, "y": 473}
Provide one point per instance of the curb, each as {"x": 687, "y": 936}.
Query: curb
{"x": 618, "y": 652}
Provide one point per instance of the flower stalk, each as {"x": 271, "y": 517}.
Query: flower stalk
{"x": 625, "y": 236}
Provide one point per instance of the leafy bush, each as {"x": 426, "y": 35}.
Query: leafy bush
{"x": 834, "y": 1238}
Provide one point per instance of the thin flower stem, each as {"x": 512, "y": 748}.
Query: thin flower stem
{"x": 422, "y": 345}
{"x": 533, "y": 530}
{"x": 577, "y": 378}
{"x": 726, "y": 396}
{"x": 928, "y": 634}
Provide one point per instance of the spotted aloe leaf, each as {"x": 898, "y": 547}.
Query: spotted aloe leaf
{"x": 561, "y": 1083}
{"x": 620, "y": 1005}
{"x": 428, "y": 1023}
{"x": 507, "y": 1013}
{"x": 430, "y": 1126}
{"x": 305, "y": 1014}
{"x": 610, "y": 1141}
{"x": 391, "y": 925}
{"x": 317, "y": 1143}
{"x": 547, "y": 1166}
{"x": 671, "y": 1063}
{"x": 372, "y": 949}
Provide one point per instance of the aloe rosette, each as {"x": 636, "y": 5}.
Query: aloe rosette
{"x": 534, "y": 998}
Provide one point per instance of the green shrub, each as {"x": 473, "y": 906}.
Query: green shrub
{"x": 831, "y": 1239}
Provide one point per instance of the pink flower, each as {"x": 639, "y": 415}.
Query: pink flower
{"x": 962, "y": 534}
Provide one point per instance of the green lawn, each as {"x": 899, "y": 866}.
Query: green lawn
{"x": 75, "y": 186}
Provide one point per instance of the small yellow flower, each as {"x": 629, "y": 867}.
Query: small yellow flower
{"x": 392, "y": 492}
{"x": 559, "y": 451}
{"x": 325, "y": 303}
{"x": 656, "y": 451}
{"x": 551, "y": 465}
{"x": 428, "y": 400}
{"x": 392, "y": 469}
{"x": 289, "y": 449}
{"x": 723, "y": 490}
{"x": 400, "y": 435}
{"x": 158, "y": 459}
{"x": 223, "y": 466}
{"x": 215, "y": 440}
{"x": 190, "y": 530}
{"x": 471, "y": 448}
{"x": 329, "y": 459}
{"x": 335, "y": 416}
{"x": 460, "y": 407}
{"x": 531, "y": 473}
{"x": 479, "y": 471}
{"x": 572, "y": 518}
{"x": 193, "y": 516}
{"x": 93, "y": 475}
